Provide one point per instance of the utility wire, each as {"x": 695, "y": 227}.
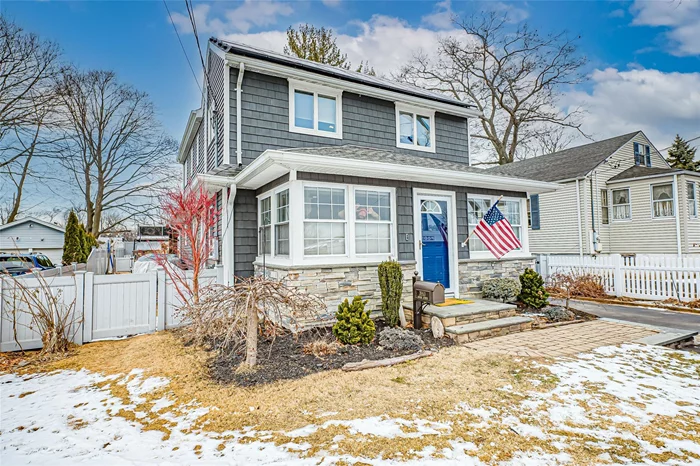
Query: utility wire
{"x": 182, "y": 46}
{"x": 689, "y": 140}
{"x": 193, "y": 21}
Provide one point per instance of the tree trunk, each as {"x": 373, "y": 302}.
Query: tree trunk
{"x": 251, "y": 341}
{"x": 366, "y": 364}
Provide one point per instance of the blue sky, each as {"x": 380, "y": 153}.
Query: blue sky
{"x": 644, "y": 57}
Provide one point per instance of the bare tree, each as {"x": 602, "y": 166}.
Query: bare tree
{"x": 514, "y": 77}
{"x": 116, "y": 151}
{"x": 28, "y": 67}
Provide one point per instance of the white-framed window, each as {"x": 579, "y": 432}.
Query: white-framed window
{"x": 415, "y": 128}
{"x": 315, "y": 110}
{"x": 265, "y": 222}
{"x": 604, "y": 207}
{"x": 692, "y": 196}
{"x": 324, "y": 221}
{"x": 373, "y": 222}
{"x": 622, "y": 206}
{"x": 477, "y": 208}
{"x": 662, "y": 200}
{"x": 282, "y": 223}
{"x": 642, "y": 154}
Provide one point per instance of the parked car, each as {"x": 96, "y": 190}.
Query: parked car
{"x": 33, "y": 260}
{"x": 149, "y": 262}
{"x": 13, "y": 267}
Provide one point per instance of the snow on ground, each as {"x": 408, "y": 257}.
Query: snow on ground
{"x": 64, "y": 418}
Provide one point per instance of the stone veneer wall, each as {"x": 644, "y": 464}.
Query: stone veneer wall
{"x": 473, "y": 272}
{"x": 335, "y": 283}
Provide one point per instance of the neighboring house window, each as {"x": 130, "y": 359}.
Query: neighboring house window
{"x": 662, "y": 200}
{"x": 315, "y": 110}
{"x": 622, "y": 208}
{"x": 265, "y": 230}
{"x": 282, "y": 223}
{"x": 372, "y": 222}
{"x": 642, "y": 154}
{"x": 692, "y": 204}
{"x": 324, "y": 225}
{"x": 415, "y": 128}
{"x": 604, "y": 206}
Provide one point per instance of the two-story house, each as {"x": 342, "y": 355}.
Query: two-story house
{"x": 321, "y": 173}
{"x": 617, "y": 196}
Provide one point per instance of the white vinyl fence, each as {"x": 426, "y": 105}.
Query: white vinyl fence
{"x": 103, "y": 306}
{"x": 656, "y": 277}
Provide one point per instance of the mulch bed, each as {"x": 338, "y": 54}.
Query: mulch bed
{"x": 284, "y": 358}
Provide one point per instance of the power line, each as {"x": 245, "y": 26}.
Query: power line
{"x": 182, "y": 46}
{"x": 689, "y": 140}
{"x": 193, "y": 21}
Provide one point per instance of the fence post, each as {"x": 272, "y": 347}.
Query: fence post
{"x": 89, "y": 284}
{"x": 2, "y": 308}
{"x": 79, "y": 306}
{"x": 219, "y": 274}
{"x": 618, "y": 280}
{"x": 162, "y": 304}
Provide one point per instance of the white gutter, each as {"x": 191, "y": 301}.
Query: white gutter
{"x": 239, "y": 83}
{"x": 578, "y": 212}
{"x": 678, "y": 216}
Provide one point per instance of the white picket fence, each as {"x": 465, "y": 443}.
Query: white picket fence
{"x": 656, "y": 277}
{"x": 104, "y": 306}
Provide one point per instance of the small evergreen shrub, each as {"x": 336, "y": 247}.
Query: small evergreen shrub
{"x": 504, "y": 289}
{"x": 399, "y": 339}
{"x": 391, "y": 284}
{"x": 354, "y": 324}
{"x": 532, "y": 292}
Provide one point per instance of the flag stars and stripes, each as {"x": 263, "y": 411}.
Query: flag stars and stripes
{"x": 495, "y": 232}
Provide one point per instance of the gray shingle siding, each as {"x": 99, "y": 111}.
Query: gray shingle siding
{"x": 404, "y": 205}
{"x": 366, "y": 120}
{"x": 215, "y": 152}
{"x": 245, "y": 232}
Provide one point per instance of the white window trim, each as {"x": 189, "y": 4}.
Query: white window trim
{"x": 400, "y": 107}
{"x": 695, "y": 199}
{"x": 296, "y": 255}
{"x": 316, "y": 89}
{"x": 270, "y": 226}
{"x": 275, "y": 221}
{"x": 345, "y": 222}
{"x": 673, "y": 201}
{"x": 391, "y": 222}
{"x": 611, "y": 200}
{"x": 524, "y": 251}
{"x": 608, "y": 194}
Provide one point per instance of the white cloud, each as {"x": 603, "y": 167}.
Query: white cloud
{"x": 249, "y": 14}
{"x": 660, "y": 104}
{"x": 441, "y": 17}
{"x": 681, "y": 17}
{"x": 387, "y": 43}
{"x": 331, "y": 3}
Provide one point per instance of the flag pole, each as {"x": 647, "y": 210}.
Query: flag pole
{"x": 464, "y": 243}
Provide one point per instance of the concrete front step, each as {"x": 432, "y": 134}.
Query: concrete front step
{"x": 478, "y": 311}
{"x": 491, "y": 328}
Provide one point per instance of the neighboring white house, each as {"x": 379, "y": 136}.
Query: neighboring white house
{"x": 33, "y": 235}
{"x": 618, "y": 196}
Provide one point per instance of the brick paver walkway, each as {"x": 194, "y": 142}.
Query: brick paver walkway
{"x": 568, "y": 340}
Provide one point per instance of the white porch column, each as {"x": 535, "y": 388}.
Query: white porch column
{"x": 227, "y": 246}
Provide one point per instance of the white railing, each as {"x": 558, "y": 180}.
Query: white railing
{"x": 104, "y": 306}
{"x": 657, "y": 277}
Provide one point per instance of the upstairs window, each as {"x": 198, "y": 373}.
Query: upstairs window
{"x": 662, "y": 200}
{"x": 315, "y": 110}
{"x": 415, "y": 128}
{"x": 642, "y": 155}
{"x": 692, "y": 203}
{"x": 622, "y": 208}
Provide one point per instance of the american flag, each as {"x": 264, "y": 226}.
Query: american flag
{"x": 496, "y": 233}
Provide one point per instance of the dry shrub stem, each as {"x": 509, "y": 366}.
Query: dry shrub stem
{"x": 576, "y": 283}
{"x": 230, "y": 318}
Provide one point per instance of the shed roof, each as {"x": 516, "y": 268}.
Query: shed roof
{"x": 31, "y": 219}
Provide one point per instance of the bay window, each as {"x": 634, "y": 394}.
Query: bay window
{"x": 372, "y": 222}
{"x": 315, "y": 110}
{"x": 622, "y": 208}
{"x": 324, "y": 221}
{"x": 662, "y": 200}
{"x": 415, "y": 128}
{"x": 265, "y": 237}
{"x": 282, "y": 223}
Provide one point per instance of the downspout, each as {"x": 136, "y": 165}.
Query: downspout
{"x": 239, "y": 82}
{"x": 578, "y": 213}
{"x": 229, "y": 240}
{"x": 678, "y": 216}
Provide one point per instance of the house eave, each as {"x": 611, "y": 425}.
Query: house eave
{"x": 193, "y": 123}
{"x": 274, "y": 163}
{"x": 657, "y": 175}
{"x": 285, "y": 71}
{"x": 32, "y": 219}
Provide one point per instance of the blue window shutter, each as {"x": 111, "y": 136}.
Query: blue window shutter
{"x": 535, "y": 211}
{"x": 648, "y": 154}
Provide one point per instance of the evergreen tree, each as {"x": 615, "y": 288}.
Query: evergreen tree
{"x": 354, "y": 324}
{"x": 682, "y": 156}
{"x": 72, "y": 240}
{"x": 318, "y": 44}
{"x": 532, "y": 292}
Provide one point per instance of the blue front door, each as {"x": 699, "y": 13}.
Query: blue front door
{"x": 434, "y": 241}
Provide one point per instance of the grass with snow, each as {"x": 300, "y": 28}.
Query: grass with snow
{"x": 148, "y": 400}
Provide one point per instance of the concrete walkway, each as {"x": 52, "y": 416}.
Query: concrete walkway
{"x": 641, "y": 315}
{"x": 567, "y": 340}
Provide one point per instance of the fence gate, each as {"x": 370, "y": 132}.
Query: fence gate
{"x": 119, "y": 305}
